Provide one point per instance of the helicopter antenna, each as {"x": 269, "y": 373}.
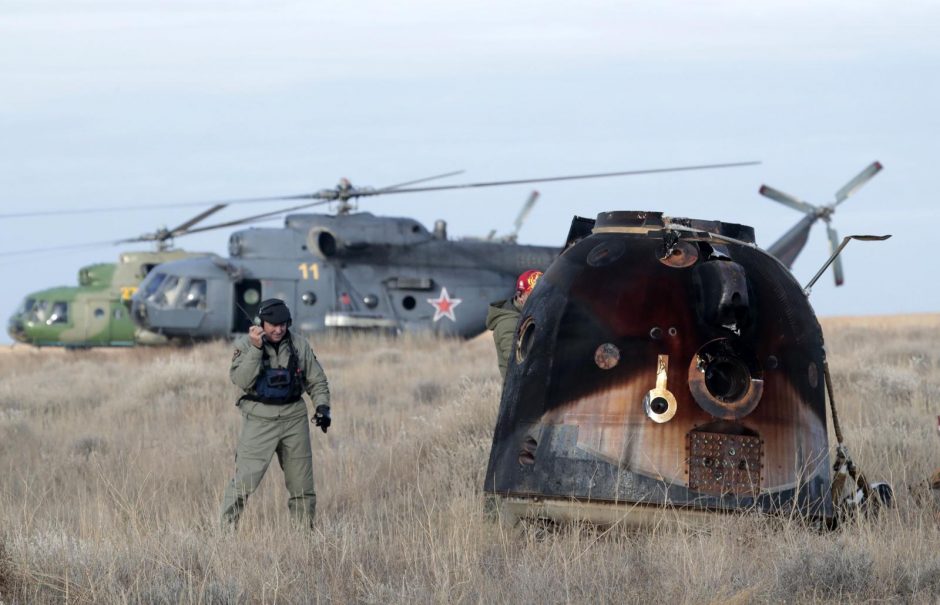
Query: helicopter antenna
{"x": 788, "y": 247}
{"x": 838, "y": 251}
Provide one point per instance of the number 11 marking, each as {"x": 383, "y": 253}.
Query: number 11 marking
{"x": 311, "y": 271}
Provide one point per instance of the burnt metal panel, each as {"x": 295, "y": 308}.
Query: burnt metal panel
{"x": 720, "y": 463}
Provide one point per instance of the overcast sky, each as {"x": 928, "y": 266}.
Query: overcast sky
{"x": 117, "y": 103}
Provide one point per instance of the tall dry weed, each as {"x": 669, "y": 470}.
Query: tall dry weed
{"x": 112, "y": 468}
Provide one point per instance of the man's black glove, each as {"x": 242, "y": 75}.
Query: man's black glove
{"x": 321, "y": 417}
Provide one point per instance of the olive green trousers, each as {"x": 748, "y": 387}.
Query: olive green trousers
{"x": 269, "y": 430}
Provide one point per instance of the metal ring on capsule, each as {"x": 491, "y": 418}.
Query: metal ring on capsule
{"x": 725, "y": 381}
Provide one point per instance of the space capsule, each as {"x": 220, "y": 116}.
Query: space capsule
{"x": 663, "y": 362}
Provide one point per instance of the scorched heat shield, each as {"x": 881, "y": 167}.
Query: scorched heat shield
{"x": 663, "y": 361}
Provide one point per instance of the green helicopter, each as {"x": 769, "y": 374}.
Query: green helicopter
{"x": 95, "y": 313}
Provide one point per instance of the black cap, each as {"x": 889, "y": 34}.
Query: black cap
{"x": 274, "y": 311}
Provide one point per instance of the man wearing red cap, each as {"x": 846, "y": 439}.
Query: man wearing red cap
{"x": 503, "y": 316}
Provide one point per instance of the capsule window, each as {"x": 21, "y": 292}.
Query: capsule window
{"x": 525, "y": 339}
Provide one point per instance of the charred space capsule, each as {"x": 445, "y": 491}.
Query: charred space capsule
{"x": 663, "y": 362}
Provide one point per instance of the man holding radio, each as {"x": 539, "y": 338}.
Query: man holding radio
{"x": 274, "y": 367}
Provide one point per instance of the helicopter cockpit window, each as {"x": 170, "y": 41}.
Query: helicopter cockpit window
{"x": 26, "y": 306}
{"x": 39, "y": 311}
{"x": 152, "y": 286}
{"x": 195, "y": 297}
{"x": 169, "y": 291}
{"x": 59, "y": 313}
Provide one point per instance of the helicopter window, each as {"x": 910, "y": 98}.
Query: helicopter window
{"x": 408, "y": 303}
{"x": 251, "y": 296}
{"x": 169, "y": 291}
{"x": 118, "y": 313}
{"x": 195, "y": 295}
{"x": 371, "y": 301}
{"x": 99, "y": 312}
{"x": 153, "y": 286}
{"x": 26, "y": 306}
{"x": 59, "y": 314}
{"x": 38, "y": 312}
{"x": 309, "y": 298}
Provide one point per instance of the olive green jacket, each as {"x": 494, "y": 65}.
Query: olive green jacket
{"x": 246, "y": 367}
{"x": 502, "y": 318}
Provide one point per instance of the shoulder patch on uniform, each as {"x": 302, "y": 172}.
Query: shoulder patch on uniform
{"x": 236, "y": 354}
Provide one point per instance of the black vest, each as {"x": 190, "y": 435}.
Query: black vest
{"x": 279, "y": 386}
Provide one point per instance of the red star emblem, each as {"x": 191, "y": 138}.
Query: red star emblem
{"x": 444, "y": 305}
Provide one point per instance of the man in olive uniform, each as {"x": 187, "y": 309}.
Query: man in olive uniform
{"x": 274, "y": 367}
{"x": 503, "y": 316}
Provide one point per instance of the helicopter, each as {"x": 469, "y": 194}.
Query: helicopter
{"x": 97, "y": 311}
{"x": 670, "y": 363}
{"x": 345, "y": 271}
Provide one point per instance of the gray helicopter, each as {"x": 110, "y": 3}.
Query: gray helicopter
{"x": 346, "y": 270}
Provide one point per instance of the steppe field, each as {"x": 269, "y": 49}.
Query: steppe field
{"x": 113, "y": 463}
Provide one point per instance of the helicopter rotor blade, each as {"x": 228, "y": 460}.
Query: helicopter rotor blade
{"x": 834, "y": 242}
{"x": 60, "y": 248}
{"x": 787, "y": 200}
{"x": 424, "y": 180}
{"x": 853, "y": 185}
{"x": 557, "y": 178}
{"x": 335, "y": 194}
{"x": 523, "y": 214}
{"x": 256, "y": 217}
{"x": 196, "y": 219}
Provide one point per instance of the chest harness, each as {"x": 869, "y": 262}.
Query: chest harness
{"x": 279, "y": 386}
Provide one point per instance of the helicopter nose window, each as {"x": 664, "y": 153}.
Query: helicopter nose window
{"x": 169, "y": 291}
{"x": 39, "y": 311}
{"x": 26, "y": 306}
{"x": 195, "y": 295}
{"x": 59, "y": 313}
{"x": 152, "y": 286}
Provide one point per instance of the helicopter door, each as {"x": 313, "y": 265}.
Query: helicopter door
{"x": 247, "y": 300}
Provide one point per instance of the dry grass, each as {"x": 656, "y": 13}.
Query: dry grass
{"x": 112, "y": 469}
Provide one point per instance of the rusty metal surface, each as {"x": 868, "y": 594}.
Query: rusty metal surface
{"x": 593, "y": 437}
{"x": 719, "y": 463}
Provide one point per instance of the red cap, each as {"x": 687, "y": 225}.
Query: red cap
{"x": 527, "y": 280}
